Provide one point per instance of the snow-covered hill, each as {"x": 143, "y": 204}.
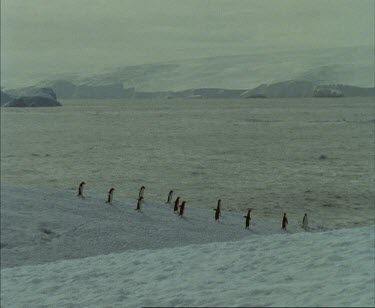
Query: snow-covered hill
{"x": 41, "y": 226}
{"x": 155, "y": 258}
{"x": 350, "y": 65}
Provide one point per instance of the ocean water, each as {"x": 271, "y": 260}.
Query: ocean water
{"x": 305, "y": 155}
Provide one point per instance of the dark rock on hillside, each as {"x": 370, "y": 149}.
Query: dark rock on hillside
{"x": 205, "y": 93}
{"x": 256, "y": 96}
{"x": 344, "y": 90}
{"x": 129, "y": 93}
{"x": 218, "y": 93}
{"x": 5, "y": 98}
{"x": 46, "y": 92}
{"x": 291, "y": 88}
{"x": 324, "y": 91}
{"x": 32, "y": 97}
{"x": 153, "y": 95}
{"x": 33, "y": 91}
{"x": 33, "y": 101}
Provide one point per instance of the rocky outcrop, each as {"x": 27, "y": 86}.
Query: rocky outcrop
{"x": 337, "y": 90}
{"x": 33, "y": 91}
{"x": 5, "y": 98}
{"x": 32, "y": 97}
{"x": 325, "y": 91}
{"x": 33, "y": 101}
{"x": 291, "y": 88}
{"x": 218, "y": 93}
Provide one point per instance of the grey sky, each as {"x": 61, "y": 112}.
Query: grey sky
{"x": 46, "y": 36}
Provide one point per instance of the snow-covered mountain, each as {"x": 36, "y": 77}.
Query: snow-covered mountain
{"x": 266, "y": 73}
{"x": 350, "y": 65}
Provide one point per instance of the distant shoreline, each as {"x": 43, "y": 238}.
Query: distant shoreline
{"x": 286, "y": 89}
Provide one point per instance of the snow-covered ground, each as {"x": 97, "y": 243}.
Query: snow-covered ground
{"x": 121, "y": 258}
{"x": 44, "y": 225}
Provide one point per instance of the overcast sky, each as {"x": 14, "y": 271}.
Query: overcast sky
{"x": 45, "y": 36}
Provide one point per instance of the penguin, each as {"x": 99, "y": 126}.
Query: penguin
{"x": 218, "y": 210}
{"x": 139, "y": 203}
{"x": 182, "y": 208}
{"x": 285, "y": 222}
{"x": 176, "y": 203}
{"x": 110, "y": 196}
{"x": 305, "y": 222}
{"x": 141, "y": 191}
{"x": 170, "y": 195}
{"x": 247, "y": 226}
{"x": 80, "y": 190}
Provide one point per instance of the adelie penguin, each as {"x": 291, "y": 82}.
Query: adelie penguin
{"x": 305, "y": 222}
{"x": 218, "y": 210}
{"x": 285, "y": 222}
{"x": 176, "y": 204}
{"x": 247, "y": 221}
{"x": 110, "y": 196}
{"x": 170, "y": 195}
{"x": 141, "y": 191}
{"x": 80, "y": 190}
{"x": 182, "y": 208}
{"x": 139, "y": 203}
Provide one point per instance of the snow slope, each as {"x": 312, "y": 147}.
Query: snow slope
{"x": 44, "y": 225}
{"x": 333, "y": 268}
{"x": 163, "y": 260}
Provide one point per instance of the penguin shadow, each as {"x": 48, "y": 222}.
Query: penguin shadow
{"x": 183, "y": 218}
{"x": 87, "y": 199}
{"x": 317, "y": 229}
{"x": 114, "y": 205}
{"x": 286, "y": 231}
{"x": 252, "y": 231}
{"x": 222, "y": 220}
